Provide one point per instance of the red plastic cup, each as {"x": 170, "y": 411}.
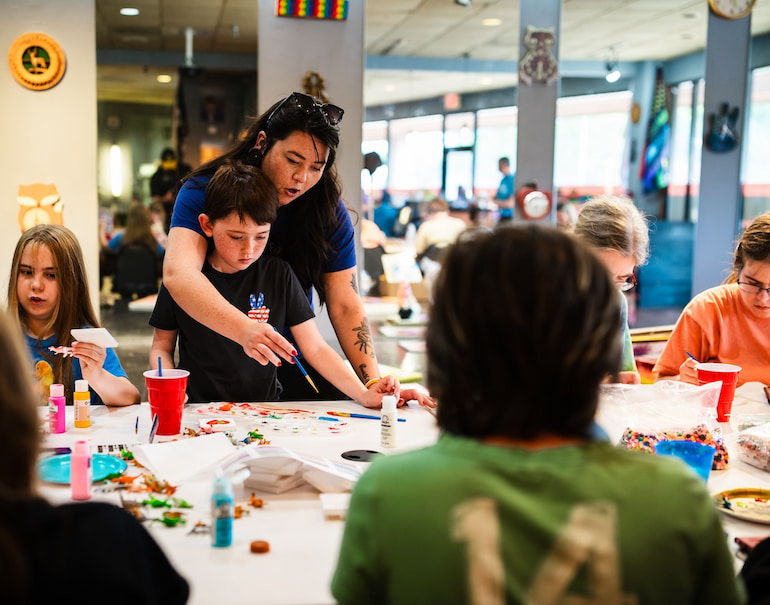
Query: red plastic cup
{"x": 728, "y": 375}
{"x": 166, "y": 394}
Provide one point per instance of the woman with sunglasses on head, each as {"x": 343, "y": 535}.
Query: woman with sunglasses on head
{"x": 728, "y": 323}
{"x": 618, "y": 232}
{"x": 295, "y": 144}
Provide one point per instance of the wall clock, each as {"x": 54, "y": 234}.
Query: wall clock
{"x": 732, "y": 9}
{"x": 535, "y": 204}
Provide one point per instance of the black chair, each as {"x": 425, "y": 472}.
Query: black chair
{"x": 137, "y": 271}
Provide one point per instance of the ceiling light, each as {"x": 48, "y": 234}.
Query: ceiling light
{"x": 129, "y": 12}
{"x": 492, "y": 22}
{"x": 463, "y": 2}
{"x": 613, "y": 73}
{"x": 163, "y": 78}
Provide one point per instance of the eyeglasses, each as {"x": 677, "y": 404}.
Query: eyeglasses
{"x": 626, "y": 284}
{"x": 308, "y": 104}
{"x": 749, "y": 288}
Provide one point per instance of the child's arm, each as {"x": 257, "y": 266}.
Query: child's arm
{"x": 113, "y": 390}
{"x": 331, "y": 366}
{"x": 163, "y": 346}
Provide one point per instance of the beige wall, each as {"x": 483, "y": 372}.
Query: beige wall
{"x": 50, "y": 136}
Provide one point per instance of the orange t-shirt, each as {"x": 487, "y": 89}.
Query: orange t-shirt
{"x": 717, "y": 326}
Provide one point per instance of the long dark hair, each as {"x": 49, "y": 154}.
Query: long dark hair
{"x": 314, "y": 213}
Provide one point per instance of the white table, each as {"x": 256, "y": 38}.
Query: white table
{"x": 303, "y": 544}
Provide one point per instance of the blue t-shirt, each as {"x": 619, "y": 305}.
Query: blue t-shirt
{"x": 38, "y": 350}
{"x": 190, "y": 203}
{"x": 504, "y": 192}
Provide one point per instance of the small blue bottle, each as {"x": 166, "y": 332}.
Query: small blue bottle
{"x": 222, "y": 512}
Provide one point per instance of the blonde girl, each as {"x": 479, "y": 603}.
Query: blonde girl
{"x": 48, "y": 296}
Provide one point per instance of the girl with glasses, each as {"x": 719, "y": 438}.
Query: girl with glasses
{"x": 295, "y": 144}
{"x": 618, "y": 232}
{"x": 728, "y": 323}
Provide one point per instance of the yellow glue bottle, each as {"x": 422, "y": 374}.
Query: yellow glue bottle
{"x": 81, "y": 399}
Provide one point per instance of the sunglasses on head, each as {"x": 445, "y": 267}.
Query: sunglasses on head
{"x": 308, "y": 104}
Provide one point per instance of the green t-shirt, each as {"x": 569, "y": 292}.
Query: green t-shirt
{"x": 465, "y": 522}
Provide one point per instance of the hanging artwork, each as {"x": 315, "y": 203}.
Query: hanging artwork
{"x": 313, "y": 9}
{"x": 40, "y": 203}
{"x": 723, "y": 132}
{"x": 37, "y": 61}
{"x": 654, "y": 169}
{"x": 538, "y": 63}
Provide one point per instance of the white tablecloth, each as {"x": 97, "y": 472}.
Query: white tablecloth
{"x": 303, "y": 543}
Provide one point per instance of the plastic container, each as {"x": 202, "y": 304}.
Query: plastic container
{"x": 388, "y": 421}
{"x": 698, "y": 456}
{"x": 81, "y": 400}
{"x": 81, "y": 473}
{"x": 222, "y": 512}
{"x": 56, "y": 409}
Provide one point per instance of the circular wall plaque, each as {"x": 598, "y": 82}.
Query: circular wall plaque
{"x": 37, "y": 61}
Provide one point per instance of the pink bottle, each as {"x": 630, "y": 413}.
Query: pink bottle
{"x": 80, "y": 471}
{"x": 56, "y": 407}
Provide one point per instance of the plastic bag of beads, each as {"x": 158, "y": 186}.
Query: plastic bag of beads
{"x": 754, "y": 446}
{"x": 637, "y": 417}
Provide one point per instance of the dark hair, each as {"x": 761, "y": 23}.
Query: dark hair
{"x": 754, "y": 244}
{"x": 314, "y": 213}
{"x": 243, "y": 189}
{"x": 524, "y": 327}
{"x": 18, "y": 452}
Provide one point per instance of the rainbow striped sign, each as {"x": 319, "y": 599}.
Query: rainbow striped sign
{"x": 313, "y": 9}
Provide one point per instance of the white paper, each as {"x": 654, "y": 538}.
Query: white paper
{"x": 175, "y": 461}
{"x": 96, "y": 336}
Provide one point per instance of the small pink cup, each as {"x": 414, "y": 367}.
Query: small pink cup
{"x": 166, "y": 394}
{"x": 728, "y": 375}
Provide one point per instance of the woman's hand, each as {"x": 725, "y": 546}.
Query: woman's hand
{"x": 687, "y": 371}
{"x": 387, "y": 385}
{"x": 629, "y": 377}
{"x": 262, "y": 341}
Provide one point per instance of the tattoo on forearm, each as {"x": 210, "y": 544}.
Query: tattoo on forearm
{"x": 354, "y": 283}
{"x": 364, "y": 338}
{"x": 364, "y": 374}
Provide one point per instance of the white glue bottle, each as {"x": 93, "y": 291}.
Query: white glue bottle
{"x": 81, "y": 399}
{"x": 222, "y": 512}
{"x": 388, "y": 421}
{"x": 81, "y": 473}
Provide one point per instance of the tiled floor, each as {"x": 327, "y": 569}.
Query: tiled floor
{"x": 133, "y": 332}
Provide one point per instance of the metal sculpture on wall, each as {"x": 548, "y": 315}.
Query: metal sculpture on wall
{"x": 538, "y": 64}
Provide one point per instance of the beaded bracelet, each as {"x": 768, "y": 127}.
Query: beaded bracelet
{"x": 371, "y": 382}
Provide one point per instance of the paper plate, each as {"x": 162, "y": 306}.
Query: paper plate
{"x": 56, "y": 469}
{"x": 746, "y": 504}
